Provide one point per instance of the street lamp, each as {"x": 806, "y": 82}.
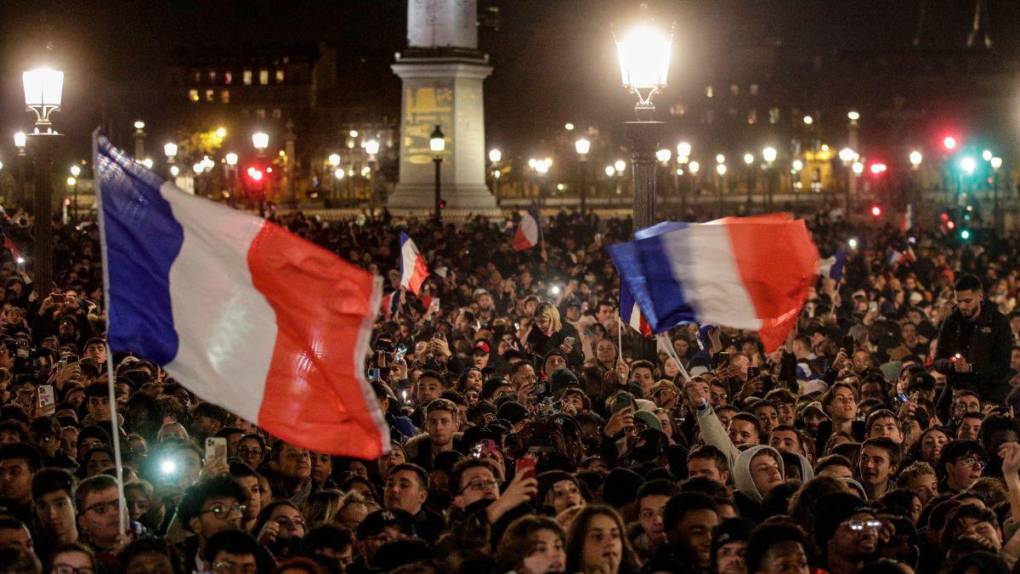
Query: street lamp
{"x": 260, "y": 141}
{"x": 437, "y": 143}
{"x": 769, "y": 154}
{"x": 748, "y": 158}
{"x": 139, "y": 139}
{"x": 620, "y": 166}
{"x": 644, "y": 57}
{"x": 582, "y": 146}
{"x": 916, "y": 158}
{"x": 720, "y": 158}
{"x": 372, "y": 148}
{"x": 683, "y": 152}
{"x": 170, "y": 151}
{"x": 969, "y": 165}
{"x": 495, "y": 156}
{"x": 43, "y": 91}
{"x": 20, "y": 140}
{"x": 664, "y": 155}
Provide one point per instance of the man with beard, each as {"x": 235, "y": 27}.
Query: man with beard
{"x": 847, "y": 532}
{"x": 975, "y": 343}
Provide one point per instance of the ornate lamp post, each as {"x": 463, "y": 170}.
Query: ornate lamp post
{"x": 582, "y": 146}
{"x": 644, "y": 55}
{"x": 495, "y": 156}
{"x": 43, "y": 89}
{"x": 437, "y": 143}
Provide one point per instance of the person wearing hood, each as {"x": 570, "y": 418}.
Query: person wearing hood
{"x": 756, "y": 472}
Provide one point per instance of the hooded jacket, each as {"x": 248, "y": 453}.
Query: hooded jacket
{"x": 742, "y": 472}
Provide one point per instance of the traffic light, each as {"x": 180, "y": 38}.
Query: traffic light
{"x": 965, "y": 234}
{"x": 255, "y": 174}
{"x": 949, "y": 142}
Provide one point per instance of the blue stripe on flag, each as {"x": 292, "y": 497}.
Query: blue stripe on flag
{"x": 648, "y": 274}
{"x": 142, "y": 240}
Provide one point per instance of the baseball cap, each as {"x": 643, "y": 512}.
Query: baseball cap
{"x": 481, "y": 347}
{"x": 479, "y": 292}
{"x": 379, "y": 520}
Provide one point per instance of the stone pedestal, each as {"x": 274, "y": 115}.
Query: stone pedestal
{"x": 442, "y": 73}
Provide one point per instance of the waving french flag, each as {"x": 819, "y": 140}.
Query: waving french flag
{"x": 749, "y": 273}
{"x": 413, "y": 269}
{"x": 630, "y": 312}
{"x": 529, "y": 230}
{"x": 238, "y": 310}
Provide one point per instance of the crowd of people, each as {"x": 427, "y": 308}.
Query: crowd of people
{"x": 532, "y": 431}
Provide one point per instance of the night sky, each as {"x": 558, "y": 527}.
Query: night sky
{"x": 554, "y": 59}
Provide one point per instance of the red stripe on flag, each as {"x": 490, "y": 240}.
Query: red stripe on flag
{"x": 316, "y": 395}
{"x": 778, "y": 264}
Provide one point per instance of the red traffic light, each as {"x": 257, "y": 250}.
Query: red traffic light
{"x": 878, "y": 168}
{"x": 876, "y": 210}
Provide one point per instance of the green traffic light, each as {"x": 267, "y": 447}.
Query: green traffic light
{"x": 965, "y": 234}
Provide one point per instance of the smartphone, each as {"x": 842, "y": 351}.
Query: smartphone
{"x": 57, "y": 297}
{"x": 373, "y": 375}
{"x": 848, "y": 344}
{"x": 526, "y": 466}
{"x": 47, "y": 401}
{"x": 215, "y": 451}
{"x": 569, "y": 341}
{"x": 902, "y": 397}
{"x": 873, "y": 306}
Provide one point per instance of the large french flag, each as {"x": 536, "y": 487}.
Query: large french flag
{"x": 238, "y": 310}
{"x": 749, "y": 273}
{"x": 413, "y": 269}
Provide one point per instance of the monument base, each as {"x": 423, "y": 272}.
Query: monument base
{"x": 461, "y": 200}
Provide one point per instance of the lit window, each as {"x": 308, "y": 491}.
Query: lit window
{"x": 709, "y": 92}
{"x": 279, "y": 76}
{"x": 260, "y": 113}
{"x": 210, "y": 95}
{"x": 735, "y": 89}
{"x": 752, "y": 117}
{"x": 774, "y": 116}
{"x": 247, "y": 77}
{"x": 193, "y": 95}
{"x": 225, "y": 96}
{"x": 228, "y": 78}
{"x": 753, "y": 89}
{"x": 264, "y": 77}
{"x": 277, "y": 114}
{"x": 212, "y": 76}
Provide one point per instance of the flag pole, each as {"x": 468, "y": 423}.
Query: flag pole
{"x": 671, "y": 351}
{"x": 111, "y": 379}
{"x": 619, "y": 334}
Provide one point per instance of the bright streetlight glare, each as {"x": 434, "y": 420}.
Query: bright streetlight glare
{"x": 582, "y": 146}
{"x": 996, "y": 162}
{"x": 260, "y": 140}
{"x": 720, "y": 158}
{"x": 75, "y": 170}
{"x": 721, "y": 169}
{"x": 987, "y": 155}
{"x": 644, "y": 54}
{"x": 695, "y": 167}
{"x": 748, "y": 158}
{"x": 916, "y": 158}
{"x": 798, "y": 165}
{"x": 664, "y": 155}
{"x": 853, "y": 116}
{"x": 620, "y": 165}
{"x": 683, "y": 149}
{"x": 495, "y": 155}
{"x": 334, "y": 159}
{"x": 231, "y": 158}
{"x": 769, "y": 154}
{"x": 610, "y": 171}
{"x": 858, "y": 168}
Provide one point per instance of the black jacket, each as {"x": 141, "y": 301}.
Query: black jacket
{"x": 987, "y": 350}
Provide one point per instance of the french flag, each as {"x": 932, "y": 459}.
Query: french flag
{"x": 413, "y": 269}
{"x": 748, "y": 273}
{"x": 832, "y": 266}
{"x": 529, "y": 230}
{"x": 630, "y": 312}
{"x": 239, "y": 311}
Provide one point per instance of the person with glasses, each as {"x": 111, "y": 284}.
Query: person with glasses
{"x": 235, "y": 552}
{"x": 210, "y": 506}
{"x": 251, "y": 449}
{"x": 847, "y": 532}
{"x": 98, "y": 504}
{"x": 73, "y": 559}
{"x": 477, "y": 495}
{"x": 962, "y": 463}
